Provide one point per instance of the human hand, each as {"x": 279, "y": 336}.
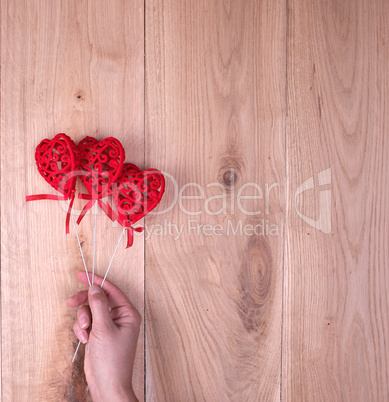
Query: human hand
{"x": 113, "y": 338}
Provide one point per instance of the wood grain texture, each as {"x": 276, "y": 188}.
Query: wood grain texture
{"x": 266, "y": 92}
{"x": 215, "y": 103}
{"x": 336, "y": 285}
{"x": 75, "y": 67}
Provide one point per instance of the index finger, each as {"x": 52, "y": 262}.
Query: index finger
{"x": 116, "y": 297}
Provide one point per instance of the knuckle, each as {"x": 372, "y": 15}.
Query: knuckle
{"x": 97, "y": 300}
{"x": 134, "y": 316}
{"x": 80, "y": 312}
{"x": 83, "y": 311}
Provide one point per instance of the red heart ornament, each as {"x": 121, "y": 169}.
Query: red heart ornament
{"x": 102, "y": 164}
{"x": 136, "y": 196}
{"x": 129, "y": 170}
{"x": 57, "y": 160}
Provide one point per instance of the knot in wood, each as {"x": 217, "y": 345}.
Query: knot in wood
{"x": 229, "y": 177}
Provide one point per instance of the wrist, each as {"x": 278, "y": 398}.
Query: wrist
{"x": 117, "y": 394}
{"x": 123, "y": 395}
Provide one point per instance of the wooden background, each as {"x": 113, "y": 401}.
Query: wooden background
{"x": 221, "y": 94}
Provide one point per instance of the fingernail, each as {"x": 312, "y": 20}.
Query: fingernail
{"x": 94, "y": 290}
{"x": 83, "y": 337}
{"x": 70, "y": 298}
{"x": 83, "y": 321}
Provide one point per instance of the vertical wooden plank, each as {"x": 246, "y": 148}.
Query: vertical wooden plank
{"x": 75, "y": 67}
{"x": 336, "y": 294}
{"x": 215, "y": 109}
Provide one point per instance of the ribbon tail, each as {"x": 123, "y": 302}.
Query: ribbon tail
{"x": 107, "y": 209}
{"x": 83, "y": 196}
{"x": 112, "y": 215}
{"x": 69, "y": 213}
{"x": 37, "y": 197}
{"x": 130, "y": 235}
{"x": 86, "y": 208}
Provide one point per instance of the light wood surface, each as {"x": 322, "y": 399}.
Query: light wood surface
{"x": 218, "y": 93}
{"x": 75, "y": 67}
{"x": 213, "y": 303}
{"x": 335, "y": 338}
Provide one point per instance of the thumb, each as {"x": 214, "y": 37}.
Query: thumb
{"x": 99, "y": 306}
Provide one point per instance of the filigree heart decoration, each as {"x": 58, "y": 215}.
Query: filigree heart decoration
{"x": 57, "y": 161}
{"x": 136, "y": 196}
{"x": 101, "y": 164}
{"x": 129, "y": 170}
